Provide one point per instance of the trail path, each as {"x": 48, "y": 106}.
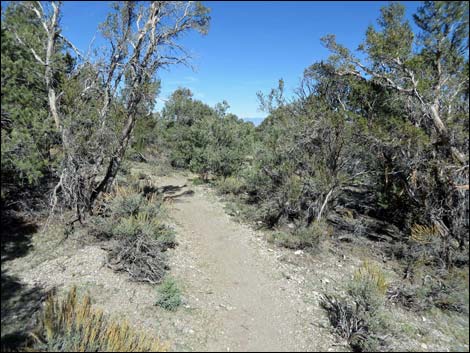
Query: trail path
{"x": 249, "y": 301}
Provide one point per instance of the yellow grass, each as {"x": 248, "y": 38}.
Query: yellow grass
{"x": 73, "y": 325}
{"x": 371, "y": 272}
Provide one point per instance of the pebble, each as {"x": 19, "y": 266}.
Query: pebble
{"x": 229, "y": 308}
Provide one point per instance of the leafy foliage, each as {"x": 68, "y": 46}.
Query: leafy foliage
{"x": 206, "y": 140}
{"x": 30, "y": 150}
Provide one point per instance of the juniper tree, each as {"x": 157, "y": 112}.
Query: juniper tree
{"x": 421, "y": 79}
{"x": 29, "y": 140}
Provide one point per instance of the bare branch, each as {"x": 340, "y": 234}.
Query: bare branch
{"x": 36, "y": 56}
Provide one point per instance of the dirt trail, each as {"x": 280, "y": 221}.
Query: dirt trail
{"x": 255, "y": 305}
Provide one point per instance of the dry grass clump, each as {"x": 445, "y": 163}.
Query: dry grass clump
{"x": 370, "y": 274}
{"x": 71, "y": 325}
{"x": 423, "y": 234}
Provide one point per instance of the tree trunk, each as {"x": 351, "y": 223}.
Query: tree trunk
{"x": 115, "y": 161}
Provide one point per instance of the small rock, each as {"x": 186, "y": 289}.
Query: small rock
{"x": 226, "y": 307}
{"x": 188, "y": 331}
{"x": 298, "y": 252}
{"x": 424, "y": 346}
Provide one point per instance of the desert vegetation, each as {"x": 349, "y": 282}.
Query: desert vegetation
{"x": 371, "y": 149}
{"x": 73, "y": 325}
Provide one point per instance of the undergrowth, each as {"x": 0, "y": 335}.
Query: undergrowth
{"x": 360, "y": 317}
{"x": 169, "y": 295}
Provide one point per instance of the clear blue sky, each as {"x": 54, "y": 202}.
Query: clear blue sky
{"x": 250, "y": 45}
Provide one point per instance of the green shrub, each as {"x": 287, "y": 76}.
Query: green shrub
{"x": 169, "y": 295}
{"x": 360, "y": 318}
{"x": 302, "y": 237}
{"x": 70, "y": 325}
{"x": 126, "y": 227}
{"x": 101, "y": 227}
{"x": 131, "y": 204}
{"x": 150, "y": 227}
{"x": 138, "y": 236}
{"x": 281, "y": 238}
{"x": 447, "y": 291}
{"x": 230, "y": 185}
{"x": 127, "y": 213}
{"x": 126, "y": 204}
{"x": 154, "y": 208}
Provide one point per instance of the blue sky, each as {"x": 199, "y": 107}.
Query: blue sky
{"x": 249, "y": 47}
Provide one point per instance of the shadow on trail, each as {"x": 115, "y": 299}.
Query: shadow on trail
{"x": 175, "y": 197}
{"x": 15, "y": 234}
{"x": 18, "y": 306}
{"x": 168, "y": 192}
{"x": 19, "y": 302}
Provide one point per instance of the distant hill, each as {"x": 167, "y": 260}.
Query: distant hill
{"x": 255, "y": 121}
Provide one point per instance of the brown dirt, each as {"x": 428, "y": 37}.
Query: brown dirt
{"x": 241, "y": 290}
